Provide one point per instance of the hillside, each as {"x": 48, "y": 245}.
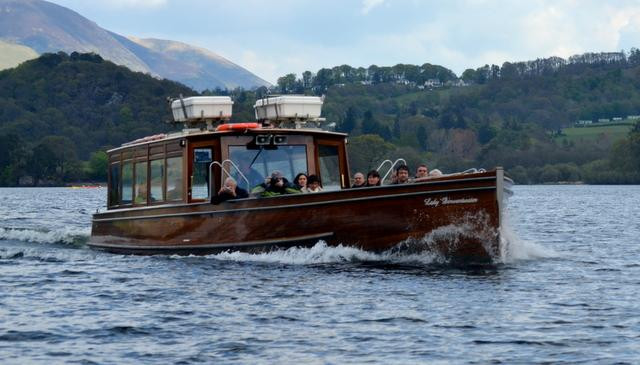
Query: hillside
{"x": 93, "y": 102}
{"x": 11, "y": 55}
{"x": 47, "y": 27}
{"x": 72, "y": 106}
{"x": 510, "y": 116}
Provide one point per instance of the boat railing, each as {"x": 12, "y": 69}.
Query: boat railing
{"x": 382, "y": 164}
{"x": 393, "y": 165}
{"x": 226, "y": 172}
{"x": 473, "y": 170}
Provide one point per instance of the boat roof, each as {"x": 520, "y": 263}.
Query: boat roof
{"x": 197, "y": 132}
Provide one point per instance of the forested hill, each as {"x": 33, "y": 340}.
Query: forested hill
{"x": 93, "y": 102}
{"x": 86, "y": 103}
{"x": 58, "y": 110}
{"x": 514, "y": 115}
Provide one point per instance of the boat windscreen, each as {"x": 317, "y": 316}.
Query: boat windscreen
{"x": 289, "y": 160}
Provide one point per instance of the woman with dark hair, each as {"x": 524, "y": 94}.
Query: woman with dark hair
{"x": 300, "y": 182}
{"x": 373, "y": 178}
{"x": 313, "y": 185}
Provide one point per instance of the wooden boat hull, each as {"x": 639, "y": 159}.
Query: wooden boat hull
{"x": 456, "y": 216}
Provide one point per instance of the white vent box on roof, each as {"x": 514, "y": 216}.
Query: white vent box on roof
{"x": 201, "y": 107}
{"x": 288, "y": 107}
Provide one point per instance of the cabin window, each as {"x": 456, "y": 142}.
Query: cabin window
{"x": 114, "y": 196}
{"x": 329, "y": 160}
{"x": 174, "y": 178}
{"x": 127, "y": 182}
{"x": 157, "y": 177}
{"x": 202, "y": 158}
{"x": 258, "y": 163}
{"x": 140, "y": 188}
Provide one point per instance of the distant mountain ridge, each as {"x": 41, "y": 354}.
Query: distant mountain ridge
{"x": 47, "y": 27}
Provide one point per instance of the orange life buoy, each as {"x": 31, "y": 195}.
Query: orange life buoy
{"x": 237, "y": 126}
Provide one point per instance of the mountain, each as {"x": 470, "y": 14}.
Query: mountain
{"x": 47, "y": 27}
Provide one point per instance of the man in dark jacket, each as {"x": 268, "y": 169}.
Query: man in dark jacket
{"x": 229, "y": 191}
{"x": 275, "y": 185}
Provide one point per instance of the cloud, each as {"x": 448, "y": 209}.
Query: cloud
{"x": 368, "y": 5}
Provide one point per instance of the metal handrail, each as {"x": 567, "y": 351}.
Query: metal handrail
{"x": 473, "y": 170}
{"x": 384, "y": 163}
{"x": 404, "y": 162}
{"x": 239, "y": 172}
{"x": 225, "y": 172}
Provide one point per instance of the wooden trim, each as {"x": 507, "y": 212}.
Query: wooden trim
{"x": 224, "y": 245}
{"x": 289, "y": 206}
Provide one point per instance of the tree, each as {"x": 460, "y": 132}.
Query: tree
{"x": 350, "y": 120}
{"x": 287, "y": 83}
{"x": 98, "y": 165}
{"x": 367, "y": 151}
{"x": 421, "y": 135}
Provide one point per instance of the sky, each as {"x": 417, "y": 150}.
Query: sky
{"x": 276, "y": 37}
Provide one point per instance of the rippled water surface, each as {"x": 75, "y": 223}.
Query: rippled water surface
{"x": 567, "y": 292}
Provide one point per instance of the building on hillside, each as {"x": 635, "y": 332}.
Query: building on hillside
{"x": 432, "y": 83}
{"x": 584, "y": 122}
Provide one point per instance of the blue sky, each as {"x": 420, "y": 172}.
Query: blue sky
{"x": 276, "y": 37}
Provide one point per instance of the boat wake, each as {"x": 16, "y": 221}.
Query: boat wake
{"x": 69, "y": 236}
{"x": 410, "y": 252}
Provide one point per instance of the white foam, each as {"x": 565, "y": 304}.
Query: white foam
{"x": 60, "y": 235}
{"x": 515, "y": 248}
{"x": 320, "y": 253}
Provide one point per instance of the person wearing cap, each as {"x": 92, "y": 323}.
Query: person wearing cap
{"x": 274, "y": 185}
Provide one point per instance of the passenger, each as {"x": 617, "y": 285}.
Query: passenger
{"x": 373, "y": 178}
{"x": 300, "y": 182}
{"x": 422, "y": 171}
{"x": 358, "y": 180}
{"x": 141, "y": 194}
{"x": 402, "y": 175}
{"x": 229, "y": 191}
{"x": 435, "y": 173}
{"x": 313, "y": 185}
{"x": 274, "y": 186}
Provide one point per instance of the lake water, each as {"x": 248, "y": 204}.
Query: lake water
{"x": 567, "y": 292}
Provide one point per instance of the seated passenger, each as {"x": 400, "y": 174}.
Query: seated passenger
{"x": 141, "y": 194}
{"x": 229, "y": 191}
{"x": 422, "y": 171}
{"x": 373, "y": 178}
{"x": 435, "y": 173}
{"x": 402, "y": 175}
{"x": 300, "y": 181}
{"x": 275, "y": 185}
{"x": 313, "y": 185}
{"x": 358, "y": 180}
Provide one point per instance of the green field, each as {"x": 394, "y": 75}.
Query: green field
{"x": 11, "y": 55}
{"x": 593, "y": 133}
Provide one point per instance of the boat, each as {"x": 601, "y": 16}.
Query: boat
{"x": 162, "y": 189}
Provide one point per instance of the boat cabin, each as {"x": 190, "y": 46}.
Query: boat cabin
{"x": 190, "y": 166}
